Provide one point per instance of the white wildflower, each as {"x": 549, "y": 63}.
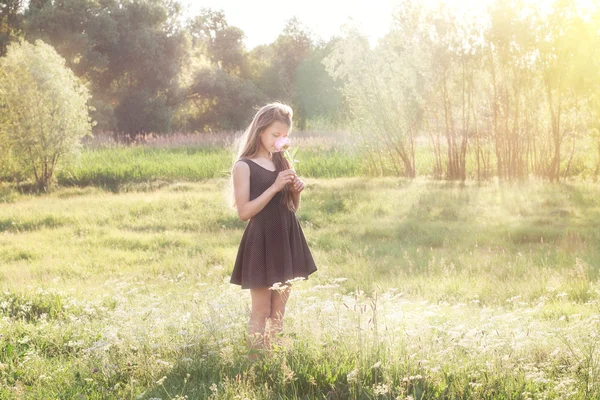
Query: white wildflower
{"x": 352, "y": 377}
{"x": 161, "y": 380}
{"x": 300, "y": 278}
{"x": 382, "y": 389}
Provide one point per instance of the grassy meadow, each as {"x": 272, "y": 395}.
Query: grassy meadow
{"x": 192, "y": 158}
{"x": 115, "y": 285}
{"x": 154, "y": 160}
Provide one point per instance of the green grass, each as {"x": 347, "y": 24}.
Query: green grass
{"x": 115, "y": 167}
{"x": 122, "y": 169}
{"x": 118, "y": 169}
{"x": 425, "y": 289}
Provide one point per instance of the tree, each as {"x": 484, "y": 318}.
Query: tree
{"x": 222, "y": 101}
{"x": 277, "y": 65}
{"x": 45, "y": 112}
{"x": 125, "y": 49}
{"x": 223, "y": 43}
{"x": 217, "y": 92}
{"x": 383, "y": 88}
{"x": 10, "y": 22}
{"x": 317, "y": 96}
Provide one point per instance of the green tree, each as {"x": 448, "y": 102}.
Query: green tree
{"x": 276, "y": 67}
{"x": 125, "y": 49}
{"x": 383, "y": 88}
{"x": 317, "y": 96}
{"x": 10, "y": 22}
{"x": 222, "y": 101}
{"x": 45, "y": 111}
{"x": 218, "y": 92}
{"x": 222, "y": 43}
{"x": 568, "y": 70}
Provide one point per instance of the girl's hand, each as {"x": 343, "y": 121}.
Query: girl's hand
{"x": 298, "y": 185}
{"x": 283, "y": 178}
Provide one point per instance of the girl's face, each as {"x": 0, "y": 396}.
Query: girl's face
{"x": 273, "y": 132}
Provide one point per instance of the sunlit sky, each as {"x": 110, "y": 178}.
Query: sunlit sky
{"x": 263, "y": 20}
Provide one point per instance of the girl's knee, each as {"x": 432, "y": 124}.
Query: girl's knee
{"x": 261, "y": 312}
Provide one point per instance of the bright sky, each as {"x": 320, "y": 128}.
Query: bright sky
{"x": 263, "y": 20}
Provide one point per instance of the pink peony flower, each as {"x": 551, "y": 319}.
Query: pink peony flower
{"x": 282, "y": 143}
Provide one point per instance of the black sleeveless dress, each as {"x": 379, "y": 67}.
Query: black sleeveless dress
{"x": 273, "y": 248}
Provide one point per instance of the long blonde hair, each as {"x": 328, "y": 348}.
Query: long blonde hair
{"x": 249, "y": 142}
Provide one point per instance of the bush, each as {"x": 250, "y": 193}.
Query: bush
{"x": 44, "y": 112}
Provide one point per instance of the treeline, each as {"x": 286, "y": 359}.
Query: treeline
{"x": 151, "y": 70}
{"x": 510, "y": 90}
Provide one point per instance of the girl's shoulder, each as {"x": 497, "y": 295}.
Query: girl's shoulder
{"x": 242, "y": 163}
{"x": 262, "y": 165}
{"x": 247, "y": 160}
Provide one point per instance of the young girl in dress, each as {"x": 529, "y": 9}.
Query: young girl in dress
{"x": 273, "y": 250}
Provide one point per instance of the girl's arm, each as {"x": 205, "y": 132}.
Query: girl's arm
{"x": 297, "y": 188}
{"x": 296, "y": 199}
{"x": 241, "y": 188}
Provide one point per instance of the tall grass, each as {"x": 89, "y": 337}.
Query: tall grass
{"x": 149, "y": 161}
{"x": 119, "y": 166}
{"x": 192, "y": 158}
{"x": 112, "y": 168}
{"x": 425, "y": 290}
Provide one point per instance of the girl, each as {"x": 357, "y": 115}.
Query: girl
{"x": 273, "y": 249}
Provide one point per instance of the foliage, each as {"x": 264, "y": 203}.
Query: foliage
{"x": 513, "y": 76}
{"x": 11, "y": 19}
{"x": 45, "y": 112}
{"x": 129, "y": 52}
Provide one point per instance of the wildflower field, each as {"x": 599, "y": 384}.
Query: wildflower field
{"x": 425, "y": 289}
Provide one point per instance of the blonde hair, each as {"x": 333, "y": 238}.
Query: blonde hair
{"x": 249, "y": 143}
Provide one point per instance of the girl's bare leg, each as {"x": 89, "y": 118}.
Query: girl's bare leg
{"x": 278, "y": 300}
{"x": 261, "y": 309}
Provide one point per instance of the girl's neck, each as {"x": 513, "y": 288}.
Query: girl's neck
{"x": 262, "y": 154}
